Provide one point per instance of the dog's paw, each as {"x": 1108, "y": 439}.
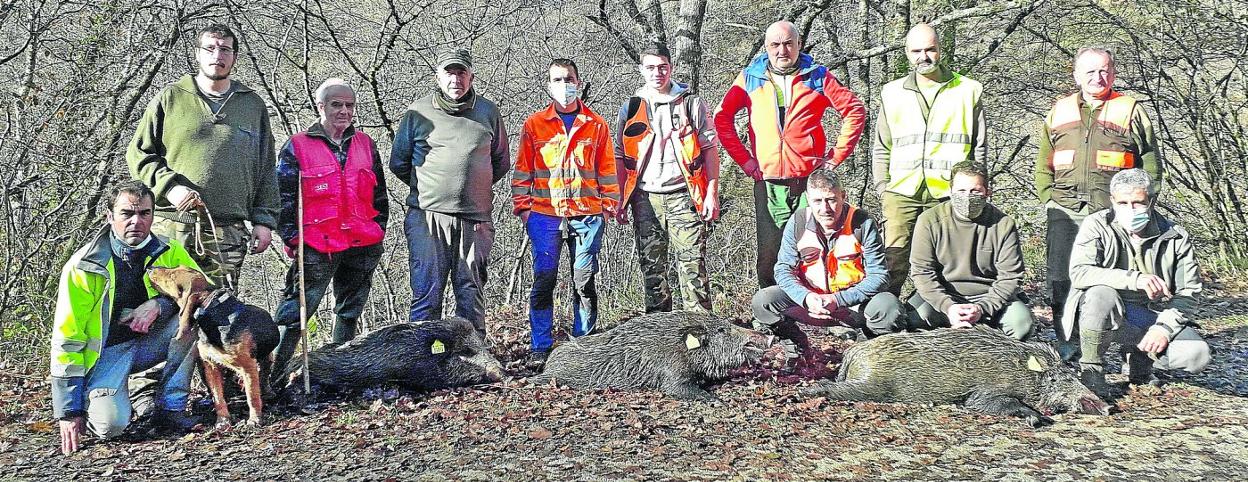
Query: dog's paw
{"x": 223, "y": 424}
{"x": 253, "y": 422}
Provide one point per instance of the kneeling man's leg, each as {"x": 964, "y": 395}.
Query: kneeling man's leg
{"x": 775, "y": 312}
{"x": 108, "y": 396}
{"x": 1017, "y": 320}
{"x": 1187, "y": 351}
{"x": 884, "y": 315}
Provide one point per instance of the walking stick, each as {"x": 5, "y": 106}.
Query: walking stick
{"x": 303, "y": 301}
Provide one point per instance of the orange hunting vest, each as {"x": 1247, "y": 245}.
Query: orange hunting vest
{"x": 639, "y": 138}
{"x": 1086, "y": 156}
{"x": 830, "y": 270}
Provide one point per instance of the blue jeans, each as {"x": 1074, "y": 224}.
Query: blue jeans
{"x": 583, "y": 237}
{"x": 108, "y": 396}
{"x": 441, "y": 246}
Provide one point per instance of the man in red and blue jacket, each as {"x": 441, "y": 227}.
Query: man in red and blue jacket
{"x": 786, "y": 94}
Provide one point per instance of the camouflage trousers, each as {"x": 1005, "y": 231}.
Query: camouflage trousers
{"x": 668, "y": 220}
{"x": 232, "y": 241}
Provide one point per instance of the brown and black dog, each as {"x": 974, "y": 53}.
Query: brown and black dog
{"x": 232, "y": 335}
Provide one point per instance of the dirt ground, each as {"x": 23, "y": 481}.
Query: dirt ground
{"x": 1193, "y": 428}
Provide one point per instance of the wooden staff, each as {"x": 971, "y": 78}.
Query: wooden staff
{"x": 303, "y": 301}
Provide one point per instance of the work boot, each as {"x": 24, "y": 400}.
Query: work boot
{"x": 1093, "y": 377}
{"x": 288, "y": 338}
{"x": 344, "y": 330}
{"x": 537, "y": 359}
{"x": 176, "y": 420}
{"x": 787, "y": 329}
{"x": 1139, "y": 368}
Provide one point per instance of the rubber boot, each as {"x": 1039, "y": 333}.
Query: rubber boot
{"x": 344, "y": 330}
{"x": 288, "y": 339}
{"x": 1091, "y": 364}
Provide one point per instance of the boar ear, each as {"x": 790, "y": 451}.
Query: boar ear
{"x": 692, "y": 342}
{"x": 1034, "y": 364}
{"x": 438, "y": 347}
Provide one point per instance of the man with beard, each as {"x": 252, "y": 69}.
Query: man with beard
{"x": 1086, "y": 138}
{"x": 786, "y": 94}
{"x": 929, "y": 120}
{"x": 205, "y": 140}
{"x": 967, "y": 261}
{"x": 450, "y": 149}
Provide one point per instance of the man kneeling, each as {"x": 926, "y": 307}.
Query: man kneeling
{"x": 104, "y": 329}
{"x": 967, "y": 263}
{"x": 1134, "y": 280}
{"x": 831, "y": 260}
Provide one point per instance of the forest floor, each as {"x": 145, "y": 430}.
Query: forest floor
{"x": 1193, "y": 428}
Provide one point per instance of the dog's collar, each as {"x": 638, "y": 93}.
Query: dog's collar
{"x": 220, "y": 308}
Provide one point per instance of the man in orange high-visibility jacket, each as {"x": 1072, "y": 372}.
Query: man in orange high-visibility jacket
{"x": 1076, "y": 161}
{"x": 562, "y": 186}
{"x": 786, "y": 94}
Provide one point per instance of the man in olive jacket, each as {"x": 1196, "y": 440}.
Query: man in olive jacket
{"x": 1134, "y": 280}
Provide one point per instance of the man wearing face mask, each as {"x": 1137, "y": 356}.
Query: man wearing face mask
{"x": 345, "y": 209}
{"x": 1086, "y": 138}
{"x": 929, "y": 120}
{"x": 830, "y": 270}
{"x": 1134, "y": 280}
{"x": 450, "y": 149}
{"x": 563, "y": 187}
{"x": 967, "y": 263}
{"x": 786, "y": 94}
{"x": 669, "y": 167}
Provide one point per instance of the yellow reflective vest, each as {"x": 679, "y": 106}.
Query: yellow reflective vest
{"x": 925, "y": 148}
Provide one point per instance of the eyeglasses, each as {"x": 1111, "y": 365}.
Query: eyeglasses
{"x": 213, "y": 49}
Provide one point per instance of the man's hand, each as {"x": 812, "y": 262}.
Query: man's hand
{"x": 183, "y": 198}
{"x": 141, "y": 319}
{"x": 963, "y": 315}
{"x": 1155, "y": 341}
{"x": 1153, "y": 286}
{"x": 621, "y": 216}
{"x": 524, "y": 217}
{"x": 71, "y": 432}
{"x": 753, "y": 171}
{"x": 820, "y": 305}
{"x": 261, "y": 237}
{"x": 710, "y": 207}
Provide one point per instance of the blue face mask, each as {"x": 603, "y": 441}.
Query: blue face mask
{"x": 1130, "y": 219}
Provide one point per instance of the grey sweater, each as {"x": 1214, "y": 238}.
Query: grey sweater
{"x": 451, "y": 161}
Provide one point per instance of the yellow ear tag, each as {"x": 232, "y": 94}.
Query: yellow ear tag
{"x": 692, "y": 342}
{"x": 438, "y": 347}
{"x": 1034, "y": 364}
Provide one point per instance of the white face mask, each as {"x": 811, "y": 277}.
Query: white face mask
{"x": 563, "y": 93}
{"x": 1130, "y": 219}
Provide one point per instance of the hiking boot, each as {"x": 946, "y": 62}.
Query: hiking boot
{"x": 536, "y": 360}
{"x": 1094, "y": 379}
{"x": 1139, "y": 368}
{"x": 176, "y": 420}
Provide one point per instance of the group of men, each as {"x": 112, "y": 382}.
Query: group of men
{"x": 209, "y": 188}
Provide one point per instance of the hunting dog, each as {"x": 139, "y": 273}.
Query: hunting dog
{"x": 232, "y": 335}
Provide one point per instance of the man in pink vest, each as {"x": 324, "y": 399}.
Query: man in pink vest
{"x": 344, "y": 216}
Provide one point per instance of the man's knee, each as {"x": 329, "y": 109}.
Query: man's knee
{"x": 1017, "y": 321}
{"x": 884, "y": 314}
{"x": 768, "y": 303}
{"x": 108, "y": 415}
{"x": 1191, "y": 356}
{"x": 1097, "y": 308}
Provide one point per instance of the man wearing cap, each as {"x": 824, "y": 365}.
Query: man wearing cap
{"x": 450, "y": 148}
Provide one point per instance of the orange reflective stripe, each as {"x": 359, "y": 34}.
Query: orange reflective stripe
{"x": 1114, "y": 159}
